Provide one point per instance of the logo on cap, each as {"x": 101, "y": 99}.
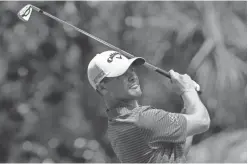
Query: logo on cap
{"x": 111, "y": 57}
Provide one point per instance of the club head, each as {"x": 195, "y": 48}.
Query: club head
{"x": 25, "y": 13}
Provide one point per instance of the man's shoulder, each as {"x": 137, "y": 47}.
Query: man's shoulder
{"x": 129, "y": 120}
{"x": 134, "y": 118}
{"x": 143, "y": 108}
{"x": 149, "y": 110}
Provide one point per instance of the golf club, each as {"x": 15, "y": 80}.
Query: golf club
{"x": 25, "y": 13}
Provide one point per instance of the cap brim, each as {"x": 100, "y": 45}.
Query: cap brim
{"x": 137, "y": 61}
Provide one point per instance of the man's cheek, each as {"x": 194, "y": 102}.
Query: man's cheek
{"x": 126, "y": 87}
{"x": 116, "y": 88}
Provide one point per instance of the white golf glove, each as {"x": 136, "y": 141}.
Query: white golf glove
{"x": 182, "y": 83}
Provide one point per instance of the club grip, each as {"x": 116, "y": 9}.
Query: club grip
{"x": 163, "y": 72}
{"x": 166, "y": 74}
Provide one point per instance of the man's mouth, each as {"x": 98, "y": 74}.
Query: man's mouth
{"x": 134, "y": 86}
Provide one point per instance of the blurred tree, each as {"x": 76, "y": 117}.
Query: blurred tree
{"x": 221, "y": 73}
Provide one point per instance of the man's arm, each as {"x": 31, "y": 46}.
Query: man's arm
{"x": 189, "y": 139}
{"x": 188, "y": 144}
{"x": 197, "y": 116}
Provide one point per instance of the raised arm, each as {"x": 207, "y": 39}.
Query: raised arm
{"x": 196, "y": 114}
{"x": 189, "y": 139}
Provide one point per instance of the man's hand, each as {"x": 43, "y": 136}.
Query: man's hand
{"x": 182, "y": 83}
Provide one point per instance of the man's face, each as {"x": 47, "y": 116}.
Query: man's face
{"x": 124, "y": 87}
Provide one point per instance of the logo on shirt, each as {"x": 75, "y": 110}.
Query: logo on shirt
{"x": 173, "y": 118}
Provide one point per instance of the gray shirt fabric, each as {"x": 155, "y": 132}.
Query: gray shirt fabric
{"x": 148, "y": 135}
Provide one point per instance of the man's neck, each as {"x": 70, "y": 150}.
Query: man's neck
{"x": 120, "y": 107}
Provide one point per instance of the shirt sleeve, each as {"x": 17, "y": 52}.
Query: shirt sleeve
{"x": 162, "y": 126}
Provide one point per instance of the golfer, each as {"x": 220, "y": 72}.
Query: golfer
{"x": 143, "y": 134}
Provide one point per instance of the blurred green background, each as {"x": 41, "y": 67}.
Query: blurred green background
{"x": 49, "y": 112}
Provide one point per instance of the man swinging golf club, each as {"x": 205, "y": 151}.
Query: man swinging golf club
{"x": 143, "y": 134}
{"x": 137, "y": 133}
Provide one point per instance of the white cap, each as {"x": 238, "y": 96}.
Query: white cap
{"x": 109, "y": 64}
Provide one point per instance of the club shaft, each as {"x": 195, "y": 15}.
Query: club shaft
{"x": 148, "y": 65}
